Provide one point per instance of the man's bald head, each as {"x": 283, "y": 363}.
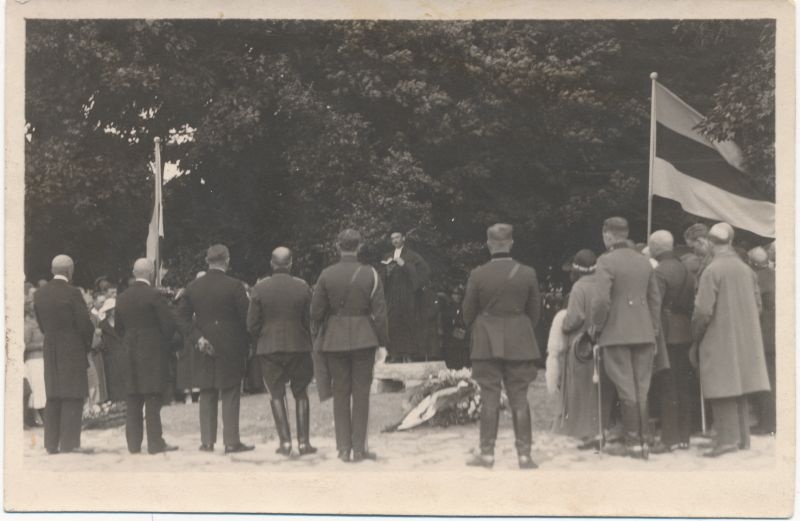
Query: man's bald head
{"x": 143, "y": 269}
{"x": 63, "y": 265}
{"x": 660, "y": 241}
{"x": 281, "y": 258}
{"x": 721, "y": 234}
{"x": 758, "y": 257}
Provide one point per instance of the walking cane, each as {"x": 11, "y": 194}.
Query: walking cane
{"x": 596, "y": 380}
{"x": 702, "y": 411}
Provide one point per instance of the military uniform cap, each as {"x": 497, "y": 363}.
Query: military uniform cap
{"x": 721, "y": 233}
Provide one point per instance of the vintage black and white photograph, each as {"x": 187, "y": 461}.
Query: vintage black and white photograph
{"x": 491, "y": 248}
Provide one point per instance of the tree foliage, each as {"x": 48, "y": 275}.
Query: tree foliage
{"x": 288, "y": 131}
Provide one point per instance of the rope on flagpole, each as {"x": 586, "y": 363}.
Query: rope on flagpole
{"x": 157, "y": 201}
{"x": 653, "y": 78}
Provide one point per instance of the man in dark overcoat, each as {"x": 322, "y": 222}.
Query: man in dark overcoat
{"x": 759, "y": 261}
{"x": 728, "y": 347}
{"x": 409, "y": 300}
{"x": 348, "y": 310}
{"x": 278, "y": 319}
{"x": 68, "y": 331}
{"x": 501, "y": 307}
{"x": 626, "y": 316}
{"x": 146, "y": 325}
{"x": 677, "y": 287}
{"x": 216, "y": 305}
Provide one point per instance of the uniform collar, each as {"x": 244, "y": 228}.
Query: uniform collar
{"x": 144, "y": 281}
{"x": 349, "y": 257}
{"x": 619, "y": 245}
{"x": 669, "y": 254}
{"x": 60, "y": 277}
{"x": 503, "y": 255}
{"x": 215, "y": 270}
{"x": 280, "y": 271}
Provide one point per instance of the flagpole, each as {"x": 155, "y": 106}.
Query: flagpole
{"x": 653, "y": 78}
{"x": 157, "y": 201}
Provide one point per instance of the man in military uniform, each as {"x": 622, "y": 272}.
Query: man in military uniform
{"x": 68, "y": 331}
{"x": 146, "y": 325}
{"x": 677, "y": 287}
{"x": 348, "y": 310}
{"x": 501, "y": 307}
{"x": 625, "y": 315}
{"x": 728, "y": 349}
{"x": 278, "y": 319}
{"x": 216, "y": 305}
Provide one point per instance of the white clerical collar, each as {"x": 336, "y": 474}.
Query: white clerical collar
{"x": 398, "y": 252}
{"x": 60, "y": 277}
{"x": 143, "y": 280}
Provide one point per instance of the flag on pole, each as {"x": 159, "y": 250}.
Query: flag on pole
{"x": 156, "y": 229}
{"x": 704, "y": 176}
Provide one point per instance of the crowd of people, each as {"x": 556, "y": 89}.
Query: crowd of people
{"x": 697, "y": 326}
{"x": 675, "y": 328}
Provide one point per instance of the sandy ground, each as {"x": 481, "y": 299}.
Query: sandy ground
{"x": 429, "y": 448}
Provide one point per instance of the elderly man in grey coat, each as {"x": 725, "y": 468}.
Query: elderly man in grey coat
{"x": 728, "y": 347}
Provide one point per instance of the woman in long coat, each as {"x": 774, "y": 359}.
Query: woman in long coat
{"x": 578, "y": 391}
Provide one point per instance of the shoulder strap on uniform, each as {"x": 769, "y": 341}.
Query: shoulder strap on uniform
{"x": 346, "y": 294}
{"x": 496, "y": 296}
{"x": 374, "y": 282}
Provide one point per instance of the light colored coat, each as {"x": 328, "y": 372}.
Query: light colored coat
{"x": 726, "y": 327}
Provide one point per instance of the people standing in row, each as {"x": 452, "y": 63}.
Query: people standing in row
{"x": 216, "y": 305}
{"x": 765, "y": 275}
{"x": 502, "y": 306}
{"x": 625, "y": 316}
{"x": 146, "y": 325}
{"x": 278, "y": 319}
{"x": 676, "y": 399}
{"x": 68, "y": 331}
{"x": 728, "y": 347}
{"x": 348, "y": 311}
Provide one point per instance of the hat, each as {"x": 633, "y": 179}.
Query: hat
{"x": 585, "y": 261}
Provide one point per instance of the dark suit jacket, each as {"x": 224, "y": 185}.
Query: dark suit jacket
{"x": 216, "y": 305}
{"x": 677, "y": 286}
{"x": 503, "y": 329}
{"x": 766, "y": 285}
{"x": 349, "y": 319}
{"x": 627, "y": 305}
{"x": 68, "y": 331}
{"x": 278, "y": 317}
{"x": 146, "y": 324}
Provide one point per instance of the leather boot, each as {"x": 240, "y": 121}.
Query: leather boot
{"x": 282, "y": 425}
{"x": 523, "y": 439}
{"x": 489, "y": 422}
{"x": 303, "y": 410}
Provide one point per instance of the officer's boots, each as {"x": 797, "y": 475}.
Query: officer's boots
{"x": 303, "y": 410}
{"x": 523, "y": 439}
{"x": 281, "y": 418}
{"x": 490, "y": 418}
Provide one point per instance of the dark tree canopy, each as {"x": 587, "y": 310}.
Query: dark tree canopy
{"x": 287, "y": 131}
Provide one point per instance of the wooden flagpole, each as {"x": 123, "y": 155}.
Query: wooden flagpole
{"x": 653, "y": 78}
{"x": 157, "y": 201}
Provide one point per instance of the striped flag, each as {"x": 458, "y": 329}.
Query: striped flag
{"x": 156, "y": 230}
{"x": 704, "y": 176}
